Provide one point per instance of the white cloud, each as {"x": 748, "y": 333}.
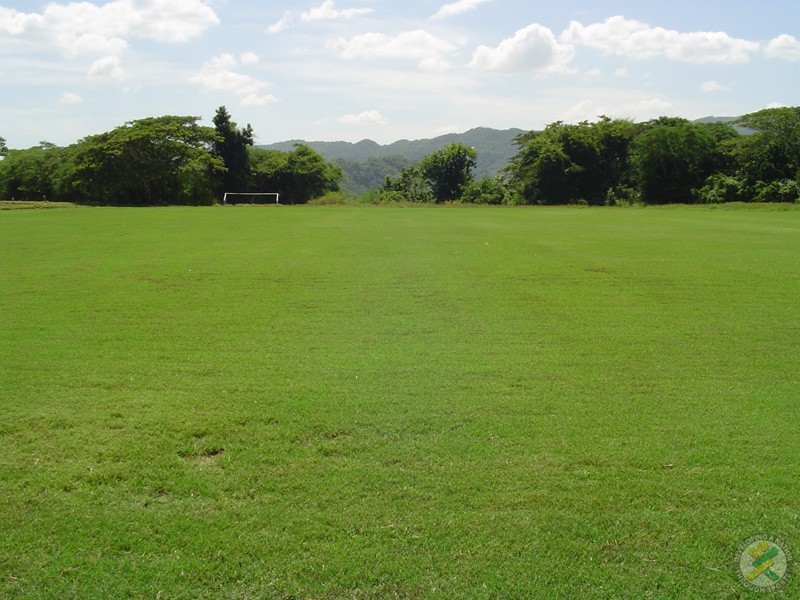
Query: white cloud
{"x": 713, "y": 86}
{"x": 644, "y": 109}
{"x": 634, "y": 39}
{"x": 456, "y": 8}
{"x": 784, "y": 46}
{"x": 281, "y": 23}
{"x": 777, "y": 105}
{"x": 594, "y": 73}
{"x": 429, "y": 51}
{"x": 533, "y": 48}
{"x": 621, "y": 72}
{"x": 70, "y": 98}
{"x": 84, "y": 28}
{"x": 257, "y": 100}
{"x": 108, "y": 67}
{"x": 638, "y": 110}
{"x": 370, "y": 117}
{"x": 218, "y": 75}
{"x": 327, "y": 12}
{"x": 249, "y": 58}
{"x": 445, "y": 129}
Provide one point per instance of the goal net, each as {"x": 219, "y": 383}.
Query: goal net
{"x": 251, "y": 198}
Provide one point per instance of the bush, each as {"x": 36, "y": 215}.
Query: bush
{"x": 487, "y": 191}
{"x": 781, "y": 190}
{"x": 721, "y": 188}
{"x": 331, "y": 199}
{"x": 622, "y": 195}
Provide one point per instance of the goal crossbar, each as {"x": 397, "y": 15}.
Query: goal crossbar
{"x": 276, "y": 194}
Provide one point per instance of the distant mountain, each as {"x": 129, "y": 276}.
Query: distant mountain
{"x": 366, "y": 163}
{"x": 741, "y": 130}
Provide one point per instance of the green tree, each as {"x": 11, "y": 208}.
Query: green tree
{"x": 268, "y": 170}
{"x": 572, "y": 163}
{"x": 28, "y": 174}
{"x": 488, "y": 191}
{"x": 157, "y": 160}
{"x": 230, "y": 146}
{"x": 449, "y": 170}
{"x": 298, "y": 176}
{"x": 772, "y": 154}
{"x": 614, "y": 139}
{"x": 672, "y": 158}
{"x": 539, "y": 169}
{"x": 3, "y": 147}
{"x": 408, "y": 186}
{"x": 308, "y": 175}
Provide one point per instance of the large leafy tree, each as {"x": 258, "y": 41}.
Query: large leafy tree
{"x": 408, "y": 186}
{"x": 449, "y": 170}
{"x": 572, "y": 163}
{"x": 539, "y": 170}
{"x": 230, "y": 146}
{"x": 671, "y": 159}
{"x": 31, "y": 174}
{"x": 299, "y": 175}
{"x": 158, "y": 160}
{"x": 773, "y": 153}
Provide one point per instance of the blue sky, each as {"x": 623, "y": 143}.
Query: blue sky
{"x": 387, "y": 69}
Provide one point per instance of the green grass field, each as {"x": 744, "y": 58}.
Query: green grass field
{"x": 356, "y": 402}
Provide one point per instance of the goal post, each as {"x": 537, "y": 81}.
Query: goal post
{"x": 231, "y": 197}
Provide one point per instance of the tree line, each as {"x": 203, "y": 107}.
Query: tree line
{"x": 164, "y": 160}
{"x": 619, "y": 162}
{"x": 175, "y": 160}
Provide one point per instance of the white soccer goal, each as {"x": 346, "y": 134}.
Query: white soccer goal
{"x": 236, "y": 195}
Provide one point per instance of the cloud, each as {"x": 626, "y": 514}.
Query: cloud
{"x": 713, "y": 86}
{"x": 249, "y": 58}
{"x": 327, "y": 12}
{"x": 532, "y": 49}
{"x": 108, "y": 68}
{"x": 634, "y": 39}
{"x": 84, "y": 28}
{"x": 784, "y": 46}
{"x": 638, "y": 110}
{"x": 70, "y": 98}
{"x": 429, "y": 51}
{"x": 456, "y": 8}
{"x": 281, "y": 23}
{"x": 370, "y": 117}
{"x": 218, "y": 75}
{"x": 257, "y": 100}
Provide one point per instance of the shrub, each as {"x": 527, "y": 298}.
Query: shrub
{"x": 721, "y": 188}
{"x": 331, "y": 199}
{"x": 487, "y": 191}
{"x": 622, "y": 195}
{"x": 781, "y": 190}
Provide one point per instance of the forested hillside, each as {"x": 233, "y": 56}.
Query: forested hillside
{"x": 366, "y": 163}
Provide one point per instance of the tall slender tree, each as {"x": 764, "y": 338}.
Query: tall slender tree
{"x": 231, "y": 146}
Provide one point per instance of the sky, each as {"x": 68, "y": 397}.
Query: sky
{"x": 325, "y": 70}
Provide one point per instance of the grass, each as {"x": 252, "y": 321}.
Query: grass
{"x": 360, "y": 402}
{"x": 25, "y": 204}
